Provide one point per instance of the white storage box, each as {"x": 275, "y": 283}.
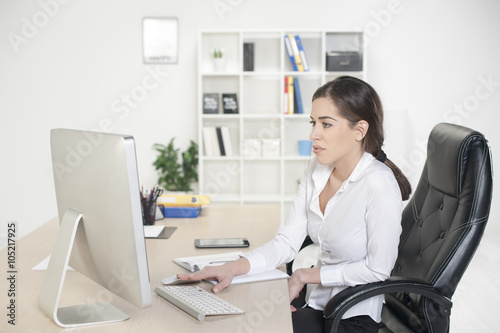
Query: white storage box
{"x": 271, "y": 147}
{"x": 252, "y": 148}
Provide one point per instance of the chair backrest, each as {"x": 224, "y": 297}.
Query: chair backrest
{"x": 444, "y": 221}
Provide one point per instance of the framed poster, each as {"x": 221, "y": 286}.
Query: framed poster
{"x": 160, "y": 40}
{"x": 210, "y": 103}
{"x": 230, "y": 103}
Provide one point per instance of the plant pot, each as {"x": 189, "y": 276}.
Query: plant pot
{"x": 219, "y": 64}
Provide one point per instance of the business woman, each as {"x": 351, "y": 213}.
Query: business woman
{"x": 349, "y": 203}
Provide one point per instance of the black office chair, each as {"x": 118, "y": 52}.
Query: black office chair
{"x": 442, "y": 226}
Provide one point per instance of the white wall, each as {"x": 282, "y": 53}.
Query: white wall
{"x": 425, "y": 59}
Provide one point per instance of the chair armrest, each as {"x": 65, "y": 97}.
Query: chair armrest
{"x": 343, "y": 301}
{"x": 307, "y": 241}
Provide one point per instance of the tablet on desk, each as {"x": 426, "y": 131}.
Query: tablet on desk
{"x": 221, "y": 242}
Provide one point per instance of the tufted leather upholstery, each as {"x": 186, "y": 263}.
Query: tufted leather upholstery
{"x": 442, "y": 226}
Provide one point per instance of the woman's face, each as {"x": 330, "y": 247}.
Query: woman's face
{"x": 333, "y": 138}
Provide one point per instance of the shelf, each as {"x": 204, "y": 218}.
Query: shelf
{"x": 221, "y": 198}
{"x": 271, "y": 74}
{"x": 244, "y": 178}
{"x": 289, "y": 198}
{"x": 221, "y": 74}
{"x": 221, "y": 116}
{"x": 297, "y": 158}
{"x": 261, "y": 159}
{"x": 264, "y": 34}
{"x": 355, "y": 73}
{"x": 299, "y": 74}
{"x": 299, "y": 116}
{"x": 222, "y": 158}
{"x": 262, "y": 116}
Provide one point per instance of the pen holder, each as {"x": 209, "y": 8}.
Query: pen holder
{"x": 148, "y": 211}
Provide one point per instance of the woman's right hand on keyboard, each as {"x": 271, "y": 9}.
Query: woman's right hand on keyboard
{"x": 223, "y": 274}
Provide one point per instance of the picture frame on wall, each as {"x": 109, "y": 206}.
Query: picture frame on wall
{"x": 160, "y": 40}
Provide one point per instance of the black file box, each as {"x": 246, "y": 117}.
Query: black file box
{"x": 342, "y": 61}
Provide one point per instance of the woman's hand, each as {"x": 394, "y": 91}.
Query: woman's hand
{"x": 224, "y": 274}
{"x": 299, "y": 279}
{"x": 219, "y": 273}
{"x": 295, "y": 285}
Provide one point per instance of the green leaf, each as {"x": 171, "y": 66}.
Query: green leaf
{"x": 175, "y": 175}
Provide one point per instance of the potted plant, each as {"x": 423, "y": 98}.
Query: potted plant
{"x": 219, "y": 60}
{"x": 176, "y": 174}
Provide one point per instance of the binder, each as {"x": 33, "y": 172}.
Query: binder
{"x": 226, "y": 139}
{"x": 248, "y": 57}
{"x": 206, "y": 142}
{"x": 211, "y": 142}
{"x": 285, "y": 96}
{"x": 289, "y": 51}
{"x": 220, "y": 141}
{"x": 296, "y": 55}
{"x": 183, "y": 200}
{"x": 298, "y": 98}
{"x": 302, "y": 53}
{"x": 290, "y": 95}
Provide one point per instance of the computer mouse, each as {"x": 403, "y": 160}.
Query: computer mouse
{"x": 172, "y": 280}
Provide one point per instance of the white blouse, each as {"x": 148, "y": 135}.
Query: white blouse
{"x": 358, "y": 235}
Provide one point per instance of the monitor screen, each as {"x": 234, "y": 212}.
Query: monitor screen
{"x": 98, "y": 198}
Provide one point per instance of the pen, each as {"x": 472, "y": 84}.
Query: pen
{"x": 148, "y": 202}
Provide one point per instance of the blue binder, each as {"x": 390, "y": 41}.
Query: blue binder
{"x": 298, "y": 98}
{"x": 290, "y": 53}
{"x": 303, "y": 57}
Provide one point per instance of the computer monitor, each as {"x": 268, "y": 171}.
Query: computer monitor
{"x": 101, "y": 231}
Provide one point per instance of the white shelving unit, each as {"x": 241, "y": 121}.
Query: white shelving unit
{"x": 242, "y": 179}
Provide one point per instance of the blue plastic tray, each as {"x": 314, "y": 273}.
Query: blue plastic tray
{"x": 181, "y": 211}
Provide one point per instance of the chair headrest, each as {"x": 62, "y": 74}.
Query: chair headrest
{"x": 445, "y": 145}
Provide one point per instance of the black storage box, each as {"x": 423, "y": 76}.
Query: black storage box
{"x": 343, "y": 61}
{"x": 248, "y": 57}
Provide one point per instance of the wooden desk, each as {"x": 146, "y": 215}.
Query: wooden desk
{"x": 265, "y": 303}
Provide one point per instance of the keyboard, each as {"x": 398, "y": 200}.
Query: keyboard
{"x": 197, "y": 301}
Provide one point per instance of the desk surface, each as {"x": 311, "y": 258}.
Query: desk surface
{"x": 265, "y": 303}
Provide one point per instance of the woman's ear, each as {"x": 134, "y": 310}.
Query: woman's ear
{"x": 361, "y": 130}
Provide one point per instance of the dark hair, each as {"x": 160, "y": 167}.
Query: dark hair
{"x": 356, "y": 100}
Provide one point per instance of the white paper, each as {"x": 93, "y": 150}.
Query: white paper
{"x": 152, "y": 231}
{"x": 257, "y": 276}
{"x": 194, "y": 264}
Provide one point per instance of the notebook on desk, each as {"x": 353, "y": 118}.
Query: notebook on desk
{"x": 197, "y": 263}
{"x": 194, "y": 264}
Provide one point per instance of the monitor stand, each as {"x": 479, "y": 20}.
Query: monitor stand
{"x": 165, "y": 233}
{"x": 48, "y": 300}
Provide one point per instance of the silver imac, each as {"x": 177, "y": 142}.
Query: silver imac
{"x": 101, "y": 232}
